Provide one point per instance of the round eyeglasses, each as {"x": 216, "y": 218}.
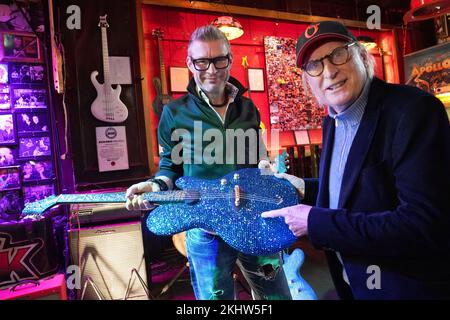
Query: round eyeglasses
{"x": 203, "y": 64}
{"x": 338, "y": 56}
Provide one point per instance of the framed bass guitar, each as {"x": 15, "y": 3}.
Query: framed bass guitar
{"x": 230, "y": 206}
{"x": 160, "y": 84}
{"x": 107, "y": 106}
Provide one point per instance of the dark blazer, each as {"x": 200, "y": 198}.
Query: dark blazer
{"x": 394, "y": 209}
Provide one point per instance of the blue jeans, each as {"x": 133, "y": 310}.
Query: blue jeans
{"x": 211, "y": 264}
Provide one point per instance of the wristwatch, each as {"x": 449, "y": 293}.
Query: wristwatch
{"x": 162, "y": 185}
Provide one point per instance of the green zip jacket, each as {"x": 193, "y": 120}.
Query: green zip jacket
{"x": 196, "y": 142}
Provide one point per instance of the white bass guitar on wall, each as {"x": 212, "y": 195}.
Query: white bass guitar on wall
{"x": 107, "y": 106}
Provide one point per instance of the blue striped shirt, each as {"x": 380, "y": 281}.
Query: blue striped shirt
{"x": 346, "y": 123}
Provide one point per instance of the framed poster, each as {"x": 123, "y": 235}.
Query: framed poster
{"x": 7, "y": 132}
{"x": 20, "y": 46}
{"x": 7, "y": 156}
{"x": 9, "y": 178}
{"x": 29, "y": 98}
{"x": 32, "y": 122}
{"x": 34, "y": 147}
{"x": 256, "y": 79}
{"x": 179, "y": 79}
{"x": 25, "y": 73}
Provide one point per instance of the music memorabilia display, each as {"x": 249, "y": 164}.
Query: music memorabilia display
{"x": 107, "y": 106}
{"x": 290, "y": 107}
{"x": 26, "y": 168}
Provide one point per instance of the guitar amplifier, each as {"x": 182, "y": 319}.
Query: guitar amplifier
{"x": 94, "y": 214}
{"x": 52, "y": 288}
{"x": 107, "y": 256}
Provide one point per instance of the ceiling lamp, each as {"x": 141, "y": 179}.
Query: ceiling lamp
{"x": 426, "y": 9}
{"x": 228, "y": 25}
{"x": 367, "y": 42}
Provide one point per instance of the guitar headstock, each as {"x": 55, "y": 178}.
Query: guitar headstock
{"x": 103, "y": 23}
{"x": 158, "y": 33}
{"x": 280, "y": 162}
{"x": 40, "y": 206}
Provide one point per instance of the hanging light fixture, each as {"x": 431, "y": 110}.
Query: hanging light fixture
{"x": 230, "y": 26}
{"x": 367, "y": 42}
{"x": 426, "y": 9}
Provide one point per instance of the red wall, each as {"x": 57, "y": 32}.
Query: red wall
{"x": 178, "y": 24}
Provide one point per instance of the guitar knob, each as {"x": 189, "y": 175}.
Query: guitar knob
{"x": 292, "y": 281}
{"x": 236, "y": 176}
{"x": 223, "y": 182}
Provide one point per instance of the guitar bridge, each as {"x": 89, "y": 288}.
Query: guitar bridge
{"x": 237, "y": 196}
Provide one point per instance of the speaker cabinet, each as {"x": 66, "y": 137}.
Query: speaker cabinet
{"x": 107, "y": 256}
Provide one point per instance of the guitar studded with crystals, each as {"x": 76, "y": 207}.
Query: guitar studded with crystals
{"x": 230, "y": 206}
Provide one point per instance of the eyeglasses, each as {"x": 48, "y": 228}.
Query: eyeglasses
{"x": 203, "y": 64}
{"x": 338, "y": 56}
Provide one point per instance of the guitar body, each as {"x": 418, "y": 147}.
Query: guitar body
{"x": 242, "y": 227}
{"x": 160, "y": 99}
{"x": 107, "y": 105}
{"x": 299, "y": 288}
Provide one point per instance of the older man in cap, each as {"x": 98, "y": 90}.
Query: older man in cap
{"x": 381, "y": 211}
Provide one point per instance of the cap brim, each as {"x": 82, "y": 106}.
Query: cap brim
{"x": 310, "y": 42}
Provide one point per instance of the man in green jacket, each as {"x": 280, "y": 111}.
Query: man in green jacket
{"x": 198, "y": 135}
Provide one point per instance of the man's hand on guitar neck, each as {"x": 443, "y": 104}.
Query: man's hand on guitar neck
{"x": 135, "y": 201}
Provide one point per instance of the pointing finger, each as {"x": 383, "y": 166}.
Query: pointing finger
{"x": 273, "y": 214}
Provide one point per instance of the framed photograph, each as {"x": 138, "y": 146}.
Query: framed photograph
{"x": 179, "y": 79}
{"x": 4, "y": 73}
{"x": 37, "y": 171}
{"x": 10, "y": 203}
{"x": 34, "y": 193}
{"x": 7, "y": 132}
{"x": 29, "y": 98}
{"x": 32, "y": 122}
{"x": 34, "y": 147}
{"x": 20, "y": 46}
{"x": 9, "y": 178}
{"x": 256, "y": 79}
{"x": 25, "y": 73}
{"x": 8, "y": 156}
{"x": 5, "y": 102}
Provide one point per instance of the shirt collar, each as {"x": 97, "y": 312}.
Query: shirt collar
{"x": 353, "y": 114}
{"x": 231, "y": 89}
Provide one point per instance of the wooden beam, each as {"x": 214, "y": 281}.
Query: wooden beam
{"x": 262, "y": 13}
{"x": 144, "y": 87}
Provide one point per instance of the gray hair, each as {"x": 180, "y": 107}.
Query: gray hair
{"x": 364, "y": 60}
{"x": 208, "y": 33}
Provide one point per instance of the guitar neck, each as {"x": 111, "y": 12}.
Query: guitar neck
{"x": 105, "y": 54}
{"x": 162, "y": 68}
{"x": 119, "y": 197}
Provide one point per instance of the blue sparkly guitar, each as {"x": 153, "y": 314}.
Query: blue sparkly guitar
{"x": 230, "y": 206}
